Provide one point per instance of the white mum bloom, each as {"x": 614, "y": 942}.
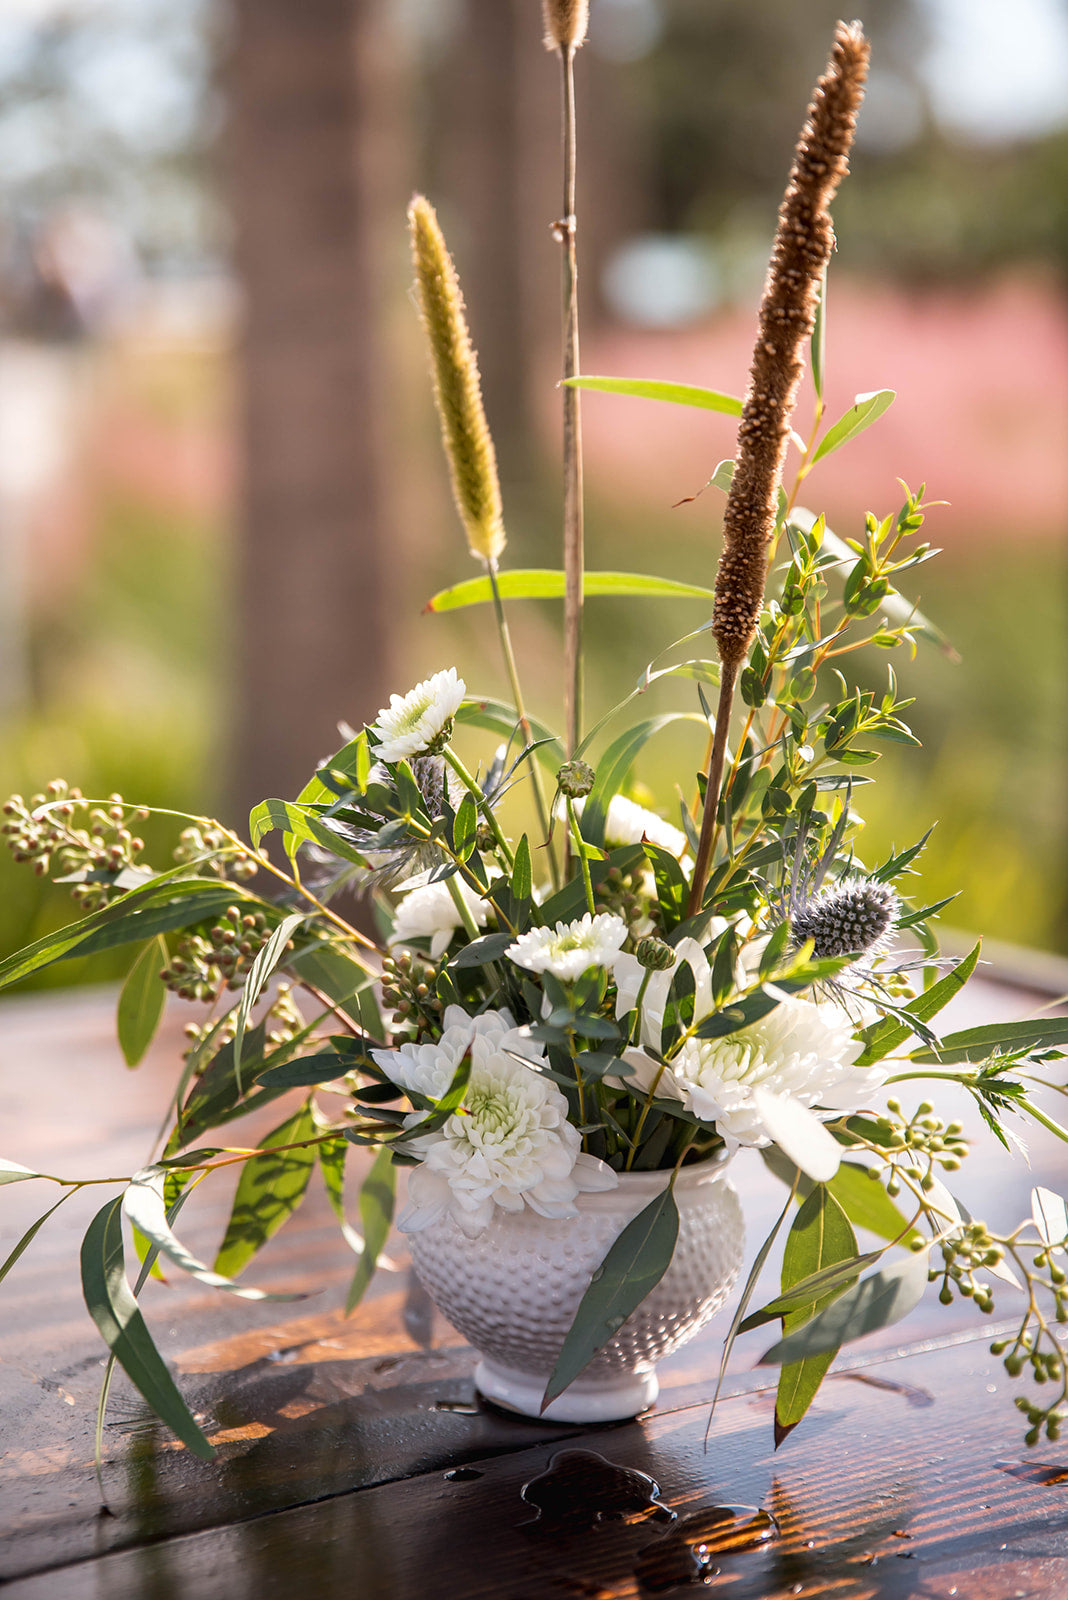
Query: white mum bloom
{"x": 571, "y": 948}
{"x": 510, "y": 1145}
{"x": 759, "y": 1084}
{"x": 628, "y": 823}
{"x": 421, "y": 719}
{"x": 428, "y": 911}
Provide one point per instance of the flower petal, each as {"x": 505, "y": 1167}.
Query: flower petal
{"x": 799, "y": 1134}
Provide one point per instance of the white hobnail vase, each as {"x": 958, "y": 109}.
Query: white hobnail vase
{"x": 513, "y": 1291}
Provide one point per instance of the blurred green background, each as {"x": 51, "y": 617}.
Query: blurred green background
{"x": 122, "y": 458}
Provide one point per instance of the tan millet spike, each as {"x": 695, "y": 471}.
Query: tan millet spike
{"x": 457, "y": 390}
{"x": 566, "y": 22}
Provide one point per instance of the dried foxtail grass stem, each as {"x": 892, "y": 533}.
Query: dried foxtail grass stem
{"x": 457, "y": 389}
{"x": 465, "y": 432}
{"x": 803, "y": 244}
{"x": 566, "y": 22}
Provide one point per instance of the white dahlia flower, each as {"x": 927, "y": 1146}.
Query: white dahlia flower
{"x": 571, "y": 948}
{"x": 428, "y": 911}
{"x": 420, "y": 720}
{"x": 510, "y": 1145}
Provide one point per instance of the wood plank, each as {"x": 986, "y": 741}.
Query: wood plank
{"x": 877, "y": 1497}
{"x": 304, "y": 1404}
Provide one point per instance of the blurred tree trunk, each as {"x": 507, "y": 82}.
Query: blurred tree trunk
{"x": 313, "y": 106}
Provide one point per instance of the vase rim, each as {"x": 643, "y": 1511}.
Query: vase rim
{"x": 709, "y": 1170}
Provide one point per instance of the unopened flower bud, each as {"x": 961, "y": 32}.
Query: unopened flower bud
{"x": 654, "y": 955}
{"x": 575, "y": 779}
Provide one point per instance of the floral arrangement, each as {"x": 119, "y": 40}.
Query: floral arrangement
{"x": 611, "y": 990}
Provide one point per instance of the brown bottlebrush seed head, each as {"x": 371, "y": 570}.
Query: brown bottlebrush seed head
{"x": 566, "y": 22}
{"x": 457, "y": 390}
{"x": 803, "y": 244}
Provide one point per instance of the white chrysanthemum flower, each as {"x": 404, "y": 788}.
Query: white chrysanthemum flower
{"x": 759, "y": 1084}
{"x": 629, "y": 823}
{"x": 428, "y": 911}
{"x": 421, "y": 720}
{"x": 510, "y": 1145}
{"x": 571, "y": 948}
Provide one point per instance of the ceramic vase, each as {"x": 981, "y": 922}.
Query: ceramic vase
{"x": 513, "y": 1291}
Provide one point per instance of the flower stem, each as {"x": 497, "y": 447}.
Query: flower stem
{"x": 470, "y": 926}
{"x": 483, "y": 804}
{"x": 728, "y": 678}
{"x": 587, "y": 882}
{"x": 565, "y": 231}
{"x": 507, "y": 652}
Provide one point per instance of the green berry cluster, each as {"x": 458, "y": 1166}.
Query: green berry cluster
{"x": 409, "y": 988}
{"x": 224, "y": 860}
{"x": 963, "y": 1254}
{"x": 73, "y": 837}
{"x": 215, "y": 955}
{"x": 625, "y": 894}
{"x": 923, "y": 1137}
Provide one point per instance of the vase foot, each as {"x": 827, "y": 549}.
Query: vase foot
{"x": 611, "y": 1399}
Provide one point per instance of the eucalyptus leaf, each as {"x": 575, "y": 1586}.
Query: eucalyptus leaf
{"x": 880, "y": 1038}
{"x": 377, "y": 1197}
{"x": 113, "y": 1308}
{"x": 141, "y": 1002}
{"x": 820, "y": 1237}
{"x": 875, "y": 1302}
{"x": 633, "y": 1267}
{"x": 30, "y": 1235}
{"x": 144, "y": 1205}
{"x": 266, "y": 960}
{"x": 271, "y": 1187}
{"x": 12, "y": 1172}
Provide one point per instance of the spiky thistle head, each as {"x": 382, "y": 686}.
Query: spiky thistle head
{"x": 803, "y": 244}
{"x": 853, "y": 918}
{"x": 566, "y": 22}
{"x": 457, "y": 389}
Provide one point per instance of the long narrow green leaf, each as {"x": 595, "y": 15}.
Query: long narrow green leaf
{"x": 544, "y": 583}
{"x": 632, "y": 1268}
{"x": 260, "y": 970}
{"x": 882, "y": 1037}
{"x": 875, "y": 1302}
{"x": 271, "y": 1188}
{"x": 377, "y": 1193}
{"x": 13, "y": 1172}
{"x": 498, "y": 717}
{"x": 332, "y": 1166}
{"x": 138, "y": 915}
{"x": 615, "y": 763}
{"x": 866, "y": 409}
{"x": 821, "y": 1237}
{"x": 114, "y": 1310}
{"x": 298, "y": 826}
{"x": 679, "y": 394}
{"x": 976, "y": 1044}
{"x": 144, "y": 1204}
{"x": 30, "y": 1235}
{"x": 141, "y": 1002}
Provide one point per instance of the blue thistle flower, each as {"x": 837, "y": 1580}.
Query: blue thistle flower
{"x": 853, "y": 918}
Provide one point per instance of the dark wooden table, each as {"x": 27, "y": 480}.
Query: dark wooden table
{"x": 355, "y": 1461}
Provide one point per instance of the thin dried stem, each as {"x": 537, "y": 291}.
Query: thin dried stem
{"x": 565, "y": 230}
